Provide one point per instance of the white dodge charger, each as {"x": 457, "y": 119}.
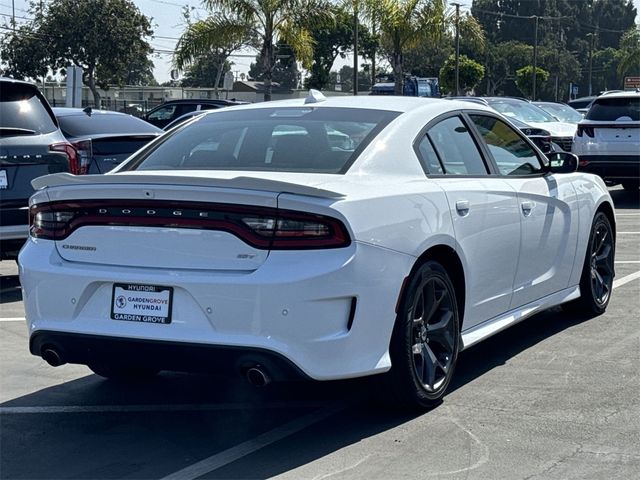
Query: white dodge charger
{"x": 315, "y": 238}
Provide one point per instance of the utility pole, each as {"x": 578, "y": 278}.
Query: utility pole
{"x": 590, "y": 60}
{"x": 457, "y": 5}
{"x": 355, "y": 47}
{"x": 535, "y": 58}
{"x": 13, "y": 14}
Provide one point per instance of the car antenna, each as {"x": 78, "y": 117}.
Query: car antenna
{"x": 88, "y": 111}
{"x": 315, "y": 96}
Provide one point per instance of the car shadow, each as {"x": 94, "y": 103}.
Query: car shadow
{"x": 10, "y": 290}
{"x": 203, "y": 415}
{"x": 624, "y": 199}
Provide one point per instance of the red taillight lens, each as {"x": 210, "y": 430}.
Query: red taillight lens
{"x": 261, "y": 227}
{"x": 588, "y": 131}
{"x": 78, "y": 155}
{"x": 85, "y": 152}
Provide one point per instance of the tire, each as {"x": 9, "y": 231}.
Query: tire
{"x": 631, "y": 186}
{"x": 426, "y": 339}
{"x": 121, "y": 373}
{"x": 596, "y": 282}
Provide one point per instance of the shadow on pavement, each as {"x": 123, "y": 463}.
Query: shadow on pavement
{"x": 624, "y": 199}
{"x": 218, "y": 413}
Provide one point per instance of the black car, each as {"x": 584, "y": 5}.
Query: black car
{"x": 31, "y": 145}
{"x": 169, "y": 111}
{"x": 102, "y": 138}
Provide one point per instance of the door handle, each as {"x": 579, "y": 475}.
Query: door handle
{"x": 462, "y": 206}
{"x": 526, "y": 208}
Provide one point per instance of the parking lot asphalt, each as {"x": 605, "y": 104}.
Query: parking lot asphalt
{"x": 557, "y": 396}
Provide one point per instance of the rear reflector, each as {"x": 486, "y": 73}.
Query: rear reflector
{"x": 261, "y": 227}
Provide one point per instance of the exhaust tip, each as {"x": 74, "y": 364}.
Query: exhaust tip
{"x": 258, "y": 377}
{"x": 52, "y": 357}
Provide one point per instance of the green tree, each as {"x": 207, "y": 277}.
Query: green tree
{"x": 207, "y": 44}
{"x": 334, "y": 38}
{"x": 285, "y": 70}
{"x": 274, "y": 21}
{"x": 524, "y": 79}
{"x": 605, "y": 75}
{"x": 405, "y": 24}
{"x": 629, "y": 56}
{"x": 104, "y": 37}
{"x": 204, "y": 72}
{"x": 470, "y": 74}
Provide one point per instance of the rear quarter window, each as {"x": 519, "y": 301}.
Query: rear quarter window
{"x": 612, "y": 109}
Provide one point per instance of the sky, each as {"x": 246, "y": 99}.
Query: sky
{"x": 168, "y": 25}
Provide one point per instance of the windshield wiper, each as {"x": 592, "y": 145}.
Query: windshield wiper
{"x": 11, "y": 131}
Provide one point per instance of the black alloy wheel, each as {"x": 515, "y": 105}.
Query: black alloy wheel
{"x": 426, "y": 338}
{"x": 596, "y": 283}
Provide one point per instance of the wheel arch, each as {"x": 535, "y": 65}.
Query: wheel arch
{"x": 606, "y": 208}
{"x": 449, "y": 259}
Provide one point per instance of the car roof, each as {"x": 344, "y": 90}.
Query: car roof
{"x": 68, "y": 111}
{"x": 213, "y": 101}
{"x": 20, "y": 82}
{"x": 621, "y": 94}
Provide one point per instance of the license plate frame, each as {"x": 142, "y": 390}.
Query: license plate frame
{"x": 135, "y": 302}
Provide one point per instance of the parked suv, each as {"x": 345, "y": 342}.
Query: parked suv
{"x": 169, "y": 111}
{"x": 607, "y": 141}
{"x": 31, "y": 145}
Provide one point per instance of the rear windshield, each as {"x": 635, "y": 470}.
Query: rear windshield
{"x": 612, "y": 109}
{"x": 22, "y": 111}
{"x": 288, "y": 139}
{"x": 100, "y": 123}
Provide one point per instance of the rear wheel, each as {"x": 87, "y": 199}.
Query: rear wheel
{"x": 425, "y": 342}
{"x": 596, "y": 282}
{"x": 122, "y": 373}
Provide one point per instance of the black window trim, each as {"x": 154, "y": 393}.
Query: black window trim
{"x": 488, "y": 161}
{"x": 545, "y": 165}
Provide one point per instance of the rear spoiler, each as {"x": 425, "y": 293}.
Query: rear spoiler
{"x": 245, "y": 183}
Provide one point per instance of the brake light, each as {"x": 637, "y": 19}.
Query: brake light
{"x": 589, "y": 131}
{"x": 71, "y": 153}
{"x": 85, "y": 153}
{"x": 261, "y": 227}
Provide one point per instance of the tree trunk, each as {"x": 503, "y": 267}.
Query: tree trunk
{"x": 268, "y": 60}
{"x": 91, "y": 83}
{"x": 216, "y": 85}
{"x": 397, "y": 73}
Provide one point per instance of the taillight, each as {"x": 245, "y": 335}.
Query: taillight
{"x": 85, "y": 153}
{"x": 589, "y": 131}
{"x": 261, "y": 227}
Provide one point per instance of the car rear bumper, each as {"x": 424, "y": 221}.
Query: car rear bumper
{"x": 328, "y": 312}
{"x": 162, "y": 355}
{"x": 611, "y": 167}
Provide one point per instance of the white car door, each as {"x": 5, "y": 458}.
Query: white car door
{"x": 485, "y": 214}
{"x": 548, "y": 210}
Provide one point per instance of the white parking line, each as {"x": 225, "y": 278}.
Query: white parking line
{"x": 155, "y": 408}
{"x": 12, "y": 319}
{"x": 627, "y": 261}
{"x": 626, "y": 279}
{"x": 627, "y": 214}
{"x": 628, "y": 233}
{"x": 243, "y": 449}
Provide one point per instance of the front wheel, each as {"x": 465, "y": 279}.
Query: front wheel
{"x": 426, "y": 338}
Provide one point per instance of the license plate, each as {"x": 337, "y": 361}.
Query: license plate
{"x": 4, "y": 182}
{"x": 141, "y": 303}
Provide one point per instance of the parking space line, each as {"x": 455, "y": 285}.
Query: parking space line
{"x": 627, "y": 261}
{"x": 12, "y": 319}
{"x": 243, "y": 449}
{"x": 626, "y": 279}
{"x": 627, "y": 214}
{"x": 627, "y": 233}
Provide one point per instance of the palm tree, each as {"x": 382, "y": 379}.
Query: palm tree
{"x": 629, "y": 56}
{"x": 404, "y": 24}
{"x": 275, "y": 21}
{"x": 217, "y": 36}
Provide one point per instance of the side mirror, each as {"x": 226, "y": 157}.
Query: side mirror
{"x": 562, "y": 162}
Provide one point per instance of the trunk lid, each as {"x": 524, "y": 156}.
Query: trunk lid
{"x": 166, "y": 221}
